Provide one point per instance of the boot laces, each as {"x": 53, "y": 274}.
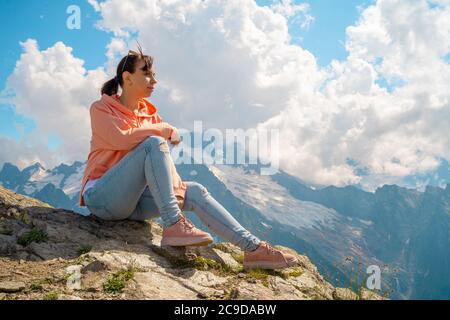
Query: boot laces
{"x": 187, "y": 225}
{"x": 272, "y": 251}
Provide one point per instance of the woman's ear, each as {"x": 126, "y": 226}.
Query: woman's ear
{"x": 126, "y": 76}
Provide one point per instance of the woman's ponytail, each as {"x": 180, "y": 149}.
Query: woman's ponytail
{"x": 110, "y": 87}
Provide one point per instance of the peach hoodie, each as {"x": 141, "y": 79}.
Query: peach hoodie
{"x": 116, "y": 130}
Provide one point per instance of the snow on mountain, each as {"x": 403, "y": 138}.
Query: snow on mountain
{"x": 58, "y": 186}
{"x": 404, "y": 229}
{"x": 38, "y": 174}
{"x": 66, "y": 178}
{"x": 273, "y": 200}
{"x": 40, "y": 179}
{"x": 72, "y": 184}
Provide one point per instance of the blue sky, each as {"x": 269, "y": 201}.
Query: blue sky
{"x": 45, "y": 21}
{"x": 325, "y": 37}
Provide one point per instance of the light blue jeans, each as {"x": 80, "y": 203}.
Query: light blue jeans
{"x": 140, "y": 187}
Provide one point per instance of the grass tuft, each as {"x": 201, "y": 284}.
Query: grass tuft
{"x": 239, "y": 257}
{"x": 201, "y": 263}
{"x": 297, "y": 272}
{"x": 118, "y": 280}
{"x": 34, "y": 235}
{"x": 84, "y": 249}
{"x": 51, "y": 296}
{"x": 36, "y": 286}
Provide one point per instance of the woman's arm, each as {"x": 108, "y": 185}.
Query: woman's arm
{"x": 116, "y": 133}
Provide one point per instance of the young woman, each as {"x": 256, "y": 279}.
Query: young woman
{"x": 130, "y": 173}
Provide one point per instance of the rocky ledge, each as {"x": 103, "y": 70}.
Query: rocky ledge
{"x": 48, "y": 253}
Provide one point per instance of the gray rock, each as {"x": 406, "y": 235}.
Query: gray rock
{"x": 11, "y": 286}
{"x": 7, "y": 244}
{"x": 344, "y": 294}
{"x": 94, "y": 266}
{"x": 68, "y": 297}
{"x": 152, "y": 271}
{"x": 4, "y": 229}
{"x": 74, "y": 279}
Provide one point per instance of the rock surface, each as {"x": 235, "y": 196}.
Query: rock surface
{"x": 11, "y": 286}
{"x": 63, "y": 255}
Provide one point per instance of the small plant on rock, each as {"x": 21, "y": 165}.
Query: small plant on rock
{"x": 51, "y": 296}
{"x": 34, "y": 235}
{"x": 118, "y": 280}
{"x": 84, "y": 249}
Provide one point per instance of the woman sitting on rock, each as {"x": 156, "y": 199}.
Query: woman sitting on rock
{"x": 130, "y": 173}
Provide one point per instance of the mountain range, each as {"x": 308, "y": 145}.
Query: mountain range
{"x": 343, "y": 230}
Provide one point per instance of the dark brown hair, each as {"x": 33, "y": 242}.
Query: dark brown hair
{"x": 128, "y": 63}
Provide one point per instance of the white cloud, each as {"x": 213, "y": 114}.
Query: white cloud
{"x": 232, "y": 65}
{"x": 51, "y": 87}
{"x": 94, "y": 4}
{"x": 215, "y": 57}
{"x": 392, "y": 134}
{"x": 24, "y": 154}
{"x": 295, "y": 13}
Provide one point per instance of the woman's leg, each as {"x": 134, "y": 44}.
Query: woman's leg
{"x": 217, "y": 218}
{"x": 258, "y": 254}
{"x": 212, "y": 214}
{"x": 116, "y": 194}
{"x": 146, "y": 207}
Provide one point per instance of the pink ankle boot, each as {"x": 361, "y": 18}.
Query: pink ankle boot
{"x": 267, "y": 257}
{"x": 184, "y": 233}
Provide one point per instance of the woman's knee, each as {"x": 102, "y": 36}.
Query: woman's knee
{"x": 196, "y": 188}
{"x": 153, "y": 142}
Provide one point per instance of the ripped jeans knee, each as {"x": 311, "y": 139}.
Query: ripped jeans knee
{"x": 153, "y": 142}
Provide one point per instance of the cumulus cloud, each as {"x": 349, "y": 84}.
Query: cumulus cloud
{"x": 338, "y": 125}
{"x": 52, "y": 88}
{"x": 23, "y": 154}
{"x": 231, "y": 58}
{"x": 355, "y": 124}
{"x": 377, "y": 116}
{"x": 295, "y": 13}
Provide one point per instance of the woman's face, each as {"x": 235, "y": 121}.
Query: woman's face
{"x": 142, "y": 82}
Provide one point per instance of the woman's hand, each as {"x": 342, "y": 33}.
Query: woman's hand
{"x": 175, "y": 137}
